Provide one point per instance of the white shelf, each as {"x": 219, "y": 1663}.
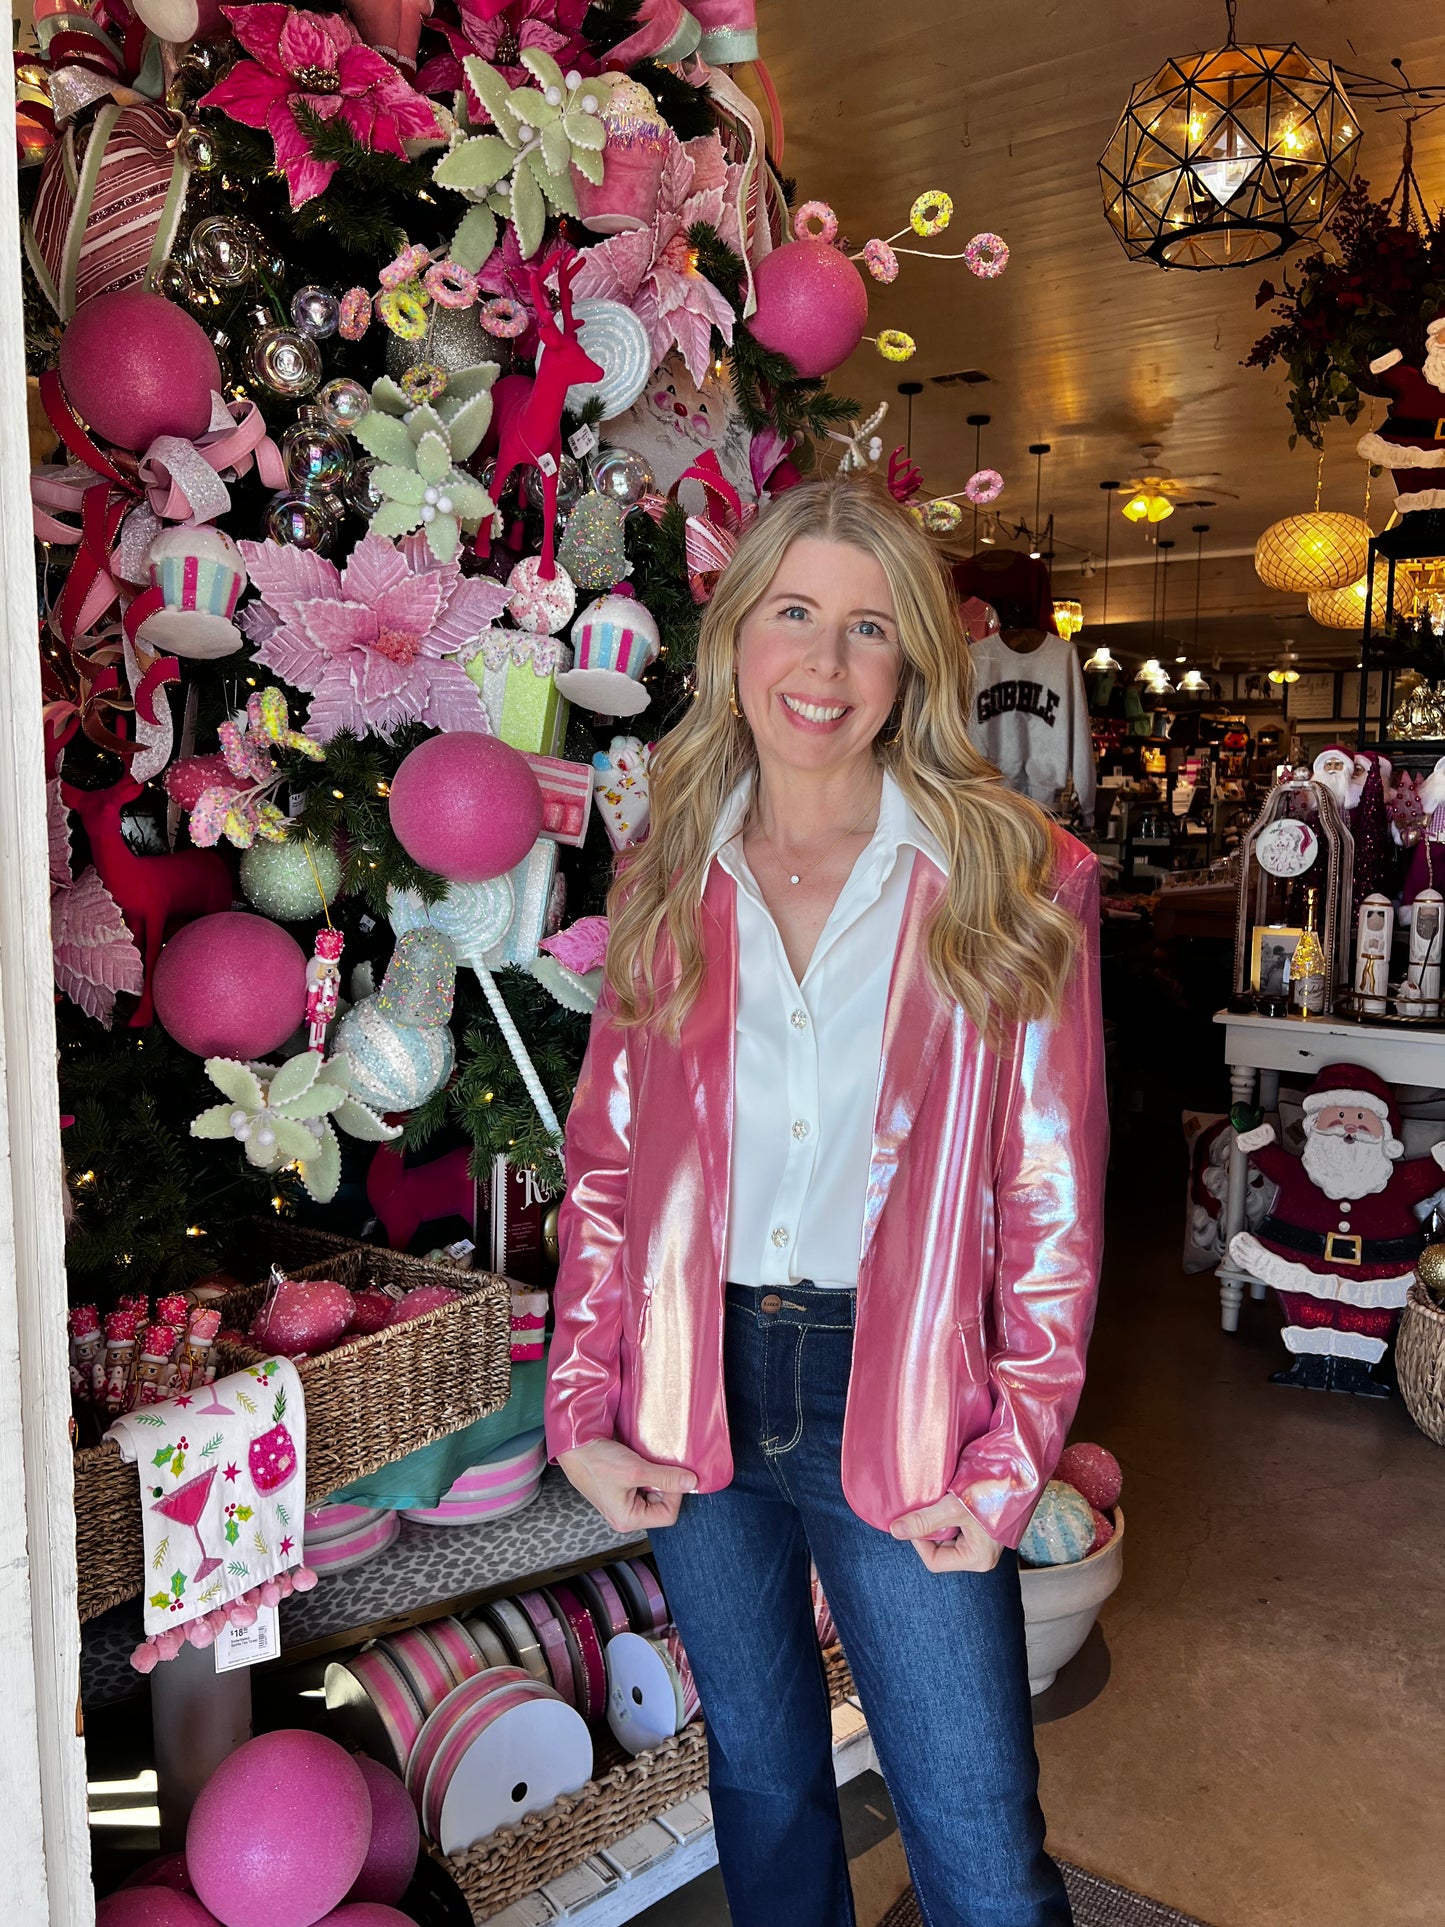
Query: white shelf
{"x": 626, "y": 1898}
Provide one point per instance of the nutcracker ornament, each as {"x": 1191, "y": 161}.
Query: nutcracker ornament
{"x": 323, "y": 986}
{"x": 1342, "y": 1238}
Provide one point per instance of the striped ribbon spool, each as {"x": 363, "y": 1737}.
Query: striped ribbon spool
{"x": 472, "y": 1512}
{"x": 422, "y": 1666}
{"x": 687, "y": 1685}
{"x": 604, "y": 1602}
{"x": 339, "y": 1555}
{"x": 391, "y": 1699}
{"x": 460, "y": 1739}
{"x": 519, "y": 1635}
{"x": 654, "y": 1609}
{"x": 591, "y": 1668}
{"x": 548, "y": 1626}
{"x": 441, "y": 1720}
{"x": 326, "y": 1522}
{"x": 489, "y": 1641}
{"x": 458, "y": 1649}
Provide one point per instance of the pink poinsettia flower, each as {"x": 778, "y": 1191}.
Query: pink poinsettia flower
{"x": 374, "y": 643}
{"x": 652, "y": 271}
{"x": 505, "y": 273}
{"x": 316, "y": 61}
{"x": 500, "y": 30}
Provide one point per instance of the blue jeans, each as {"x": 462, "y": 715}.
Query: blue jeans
{"x": 938, "y": 1658}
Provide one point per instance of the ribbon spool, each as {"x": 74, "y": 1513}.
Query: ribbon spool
{"x": 448, "y": 1711}
{"x": 513, "y": 1757}
{"x": 355, "y": 1548}
{"x": 373, "y": 1708}
{"x": 645, "y": 1699}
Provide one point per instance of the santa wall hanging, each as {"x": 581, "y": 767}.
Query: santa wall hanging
{"x": 1342, "y": 1238}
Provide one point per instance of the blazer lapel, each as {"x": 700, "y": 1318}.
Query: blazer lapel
{"x": 913, "y": 1030}
{"x": 707, "y": 1046}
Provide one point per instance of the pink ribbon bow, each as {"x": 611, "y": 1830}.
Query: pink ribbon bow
{"x": 712, "y": 537}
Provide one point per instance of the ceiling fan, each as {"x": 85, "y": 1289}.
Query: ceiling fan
{"x": 1156, "y": 492}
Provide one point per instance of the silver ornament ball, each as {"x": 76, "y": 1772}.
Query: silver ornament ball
{"x": 344, "y": 403}
{"x": 622, "y": 475}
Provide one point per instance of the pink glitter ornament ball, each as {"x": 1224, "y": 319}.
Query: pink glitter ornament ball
{"x": 812, "y": 306}
{"x": 366, "y": 1913}
{"x": 280, "y": 1831}
{"x": 395, "y": 1838}
{"x": 166, "y": 1870}
{"x": 466, "y": 806}
{"x": 425, "y": 1298}
{"x": 1095, "y": 1472}
{"x": 133, "y": 366}
{"x": 231, "y": 985}
{"x": 303, "y": 1315}
{"x": 152, "y": 1907}
{"x": 1103, "y": 1530}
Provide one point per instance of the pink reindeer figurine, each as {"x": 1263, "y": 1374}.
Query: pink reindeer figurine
{"x": 405, "y": 1197}
{"x": 529, "y": 411}
{"x": 155, "y": 893}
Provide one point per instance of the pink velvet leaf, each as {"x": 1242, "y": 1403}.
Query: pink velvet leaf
{"x": 95, "y": 956}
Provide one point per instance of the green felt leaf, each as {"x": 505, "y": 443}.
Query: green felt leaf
{"x": 543, "y": 69}
{"x": 467, "y": 383}
{"x": 321, "y": 1173}
{"x": 384, "y": 437}
{"x": 475, "y": 165}
{"x": 475, "y": 238}
{"x": 469, "y": 499}
{"x": 400, "y": 484}
{"x": 235, "y": 1081}
{"x": 387, "y": 394}
{"x": 529, "y": 109}
{"x": 321, "y": 1099}
{"x": 556, "y": 148}
{"x": 590, "y": 166}
{"x": 489, "y": 86}
{"x": 214, "y": 1123}
{"x": 424, "y": 421}
{"x": 433, "y": 458}
{"x": 358, "y": 1120}
{"x": 444, "y": 537}
{"x": 295, "y": 1077}
{"x": 529, "y": 212}
{"x": 558, "y": 188}
{"x": 469, "y": 424}
{"x": 585, "y": 130}
{"x": 265, "y": 1157}
{"x": 396, "y": 518}
{"x": 500, "y": 201}
{"x": 293, "y": 1140}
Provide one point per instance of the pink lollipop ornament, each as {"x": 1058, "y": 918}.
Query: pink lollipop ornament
{"x": 280, "y": 1831}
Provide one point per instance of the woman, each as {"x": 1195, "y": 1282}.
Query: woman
{"x": 831, "y": 1236}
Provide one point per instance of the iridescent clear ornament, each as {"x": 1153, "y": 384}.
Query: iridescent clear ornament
{"x": 221, "y": 251}
{"x": 571, "y": 482}
{"x": 287, "y": 362}
{"x": 356, "y": 489}
{"x": 196, "y": 147}
{"x": 175, "y": 284}
{"x": 315, "y": 454}
{"x": 622, "y": 475}
{"x": 301, "y": 521}
{"x": 344, "y": 403}
{"x": 316, "y": 312}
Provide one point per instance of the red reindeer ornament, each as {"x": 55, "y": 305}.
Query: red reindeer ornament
{"x": 155, "y": 893}
{"x": 529, "y": 410}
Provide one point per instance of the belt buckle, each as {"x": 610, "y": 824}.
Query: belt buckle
{"x": 1336, "y": 1238}
{"x": 1440, "y": 429}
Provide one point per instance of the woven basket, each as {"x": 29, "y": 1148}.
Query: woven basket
{"x": 367, "y": 1402}
{"x": 372, "y": 1400}
{"x": 626, "y": 1793}
{"x": 1420, "y": 1362}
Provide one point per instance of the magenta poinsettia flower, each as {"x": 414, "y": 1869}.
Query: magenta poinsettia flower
{"x": 316, "y": 61}
{"x": 652, "y": 270}
{"x": 374, "y": 643}
{"x": 500, "y": 30}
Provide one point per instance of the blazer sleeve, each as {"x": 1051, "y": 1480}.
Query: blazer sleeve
{"x": 582, "y": 1376}
{"x": 1051, "y": 1149}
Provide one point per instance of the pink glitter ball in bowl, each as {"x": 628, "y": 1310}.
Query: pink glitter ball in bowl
{"x": 1095, "y": 1472}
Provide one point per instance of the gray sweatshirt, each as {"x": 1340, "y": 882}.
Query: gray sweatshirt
{"x": 1030, "y": 716}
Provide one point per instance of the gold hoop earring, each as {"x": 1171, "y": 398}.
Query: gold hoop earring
{"x": 733, "y": 698}
{"x": 892, "y": 728}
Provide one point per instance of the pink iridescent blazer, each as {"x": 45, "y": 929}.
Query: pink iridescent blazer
{"x": 981, "y": 1238}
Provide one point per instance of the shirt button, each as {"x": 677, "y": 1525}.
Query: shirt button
{"x": 1344, "y": 1224}
{"x": 799, "y": 1019}
{"x": 780, "y": 1236}
{"x": 801, "y": 1127}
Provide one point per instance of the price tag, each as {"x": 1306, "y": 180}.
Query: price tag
{"x": 583, "y": 442}
{"x": 295, "y": 803}
{"x": 547, "y": 462}
{"x": 238, "y": 1646}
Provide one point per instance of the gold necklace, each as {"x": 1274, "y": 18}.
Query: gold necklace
{"x": 801, "y": 876}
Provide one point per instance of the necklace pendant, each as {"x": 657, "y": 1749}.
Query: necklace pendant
{"x": 794, "y": 879}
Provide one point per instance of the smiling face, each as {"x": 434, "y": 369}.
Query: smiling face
{"x": 818, "y": 658}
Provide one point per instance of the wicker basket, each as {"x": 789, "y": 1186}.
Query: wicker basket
{"x": 628, "y": 1792}
{"x": 368, "y": 1402}
{"x": 1420, "y": 1362}
{"x": 371, "y": 1400}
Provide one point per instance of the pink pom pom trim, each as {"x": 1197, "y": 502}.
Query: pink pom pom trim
{"x": 815, "y": 221}
{"x": 146, "y": 1656}
{"x": 303, "y": 1578}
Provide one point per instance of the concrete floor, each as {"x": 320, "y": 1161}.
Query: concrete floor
{"x": 1255, "y": 1733}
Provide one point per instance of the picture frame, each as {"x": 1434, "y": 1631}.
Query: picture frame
{"x": 1350, "y": 696}
{"x": 1271, "y": 950}
{"x": 1312, "y": 698}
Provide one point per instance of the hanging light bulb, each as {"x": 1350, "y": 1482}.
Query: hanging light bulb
{"x": 1147, "y": 671}
{"x": 1036, "y": 548}
{"x": 1193, "y": 681}
{"x": 1100, "y": 660}
{"x": 1148, "y": 504}
{"x": 988, "y": 534}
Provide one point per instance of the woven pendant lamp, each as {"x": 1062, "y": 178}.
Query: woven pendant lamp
{"x": 1312, "y": 554}
{"x": 1345, "y": 608}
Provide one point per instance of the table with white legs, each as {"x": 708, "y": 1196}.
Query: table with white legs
{"x": 1267, "y": 1046}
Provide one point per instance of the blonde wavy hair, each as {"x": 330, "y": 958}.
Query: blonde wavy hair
{"x": 999, "y": 945}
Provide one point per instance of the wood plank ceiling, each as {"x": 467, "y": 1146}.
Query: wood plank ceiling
{"x": 1009, "y": 108}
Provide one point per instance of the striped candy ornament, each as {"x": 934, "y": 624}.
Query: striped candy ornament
{"x": 108, "y": 206}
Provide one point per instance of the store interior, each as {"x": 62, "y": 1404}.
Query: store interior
{"x": 356, "y": 629}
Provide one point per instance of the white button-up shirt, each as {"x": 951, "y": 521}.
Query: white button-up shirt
{"x": 807, "y": 1058}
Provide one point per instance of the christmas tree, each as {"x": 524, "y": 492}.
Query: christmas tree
{"x": 410, "y": 376}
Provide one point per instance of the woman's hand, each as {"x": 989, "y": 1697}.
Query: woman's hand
{"x": 967, "y": 1548}
{"x": 631, "y": 1493}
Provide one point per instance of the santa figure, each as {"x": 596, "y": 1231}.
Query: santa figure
{"x": 1410, "y": 442}
{"x": 1341, "y": 1240}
